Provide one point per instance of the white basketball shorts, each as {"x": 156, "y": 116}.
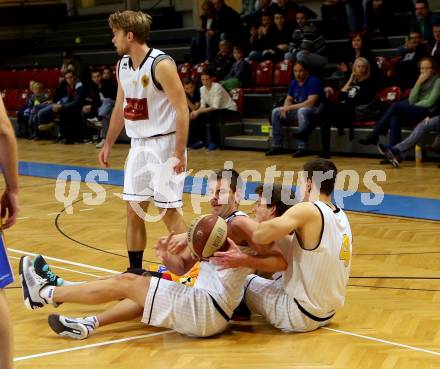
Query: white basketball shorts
{"x": 185, "y": 309}
{"x": 149, "y": 173}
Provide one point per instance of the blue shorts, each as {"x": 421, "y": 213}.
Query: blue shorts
{"x": 6, "y": 274}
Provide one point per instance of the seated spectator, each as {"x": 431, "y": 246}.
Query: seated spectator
{"x": 262, "y": 46}
{"x": 396, "y": 153}
{"x": 282, "y": 34}
{"x": 359, "y": 90}
{"x": 70, "y": 62}
{"x": 423, "y": 102}
{"x": 424, "y": 21}
{"x": 107, "y": 75}
{"x": 205, "y": 44}
{"x": 228, "y": 23}
{"x": 334, "y": 18}
{"x": 265, "y": 7}
{"x": 412, "y": 52}
{"x": 302, "y": 104}
{"x": 377, "y": 18}
{"x": 435, "y": 52}
{"x": 215, "y": 103}
{"x": 222, "y": 63}
{"x": 193, "y": 99}
{"x": 240, "y": 73}
{"x": 24, "y": 113}
{"x": 39, "y": 101}
{"x": 306, "y": 44}
{"x": 290, "y": 8}
{"x": 107, "y": 96}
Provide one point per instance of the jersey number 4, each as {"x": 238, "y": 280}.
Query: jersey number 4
{"x": 345, "y": 253}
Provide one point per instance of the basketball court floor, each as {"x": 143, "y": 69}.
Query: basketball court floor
{"x": 391, "y": 317}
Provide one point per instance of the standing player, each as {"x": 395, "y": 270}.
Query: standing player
{"x": 313, "y": 287}
{"x": 202, "y": 310}
{"x": 152, "y": 104}
{"x": 9, "y": 206}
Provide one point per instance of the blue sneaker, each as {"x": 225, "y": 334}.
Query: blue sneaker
{"x": 197, "y": 145}
{"x": 42, "y": 268}
{"x": 212, "y": 147}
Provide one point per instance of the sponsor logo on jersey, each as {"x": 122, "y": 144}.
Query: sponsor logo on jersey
{"x": 136, "y": 109}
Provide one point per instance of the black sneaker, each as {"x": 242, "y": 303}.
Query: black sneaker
{"x": 393, "y": 157}
{"x": 42, "y": 268}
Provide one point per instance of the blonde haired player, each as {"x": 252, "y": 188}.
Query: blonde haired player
{"x": 313, "y": 287}
{"x": 151, "y": 103}
{"x": 9, "y": 206}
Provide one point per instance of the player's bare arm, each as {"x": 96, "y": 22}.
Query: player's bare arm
{"x": 292, "y": 220}
{"x": 8, "y": 164}
{"x": 115, "y": 126}
{"x": 166, "y": 74}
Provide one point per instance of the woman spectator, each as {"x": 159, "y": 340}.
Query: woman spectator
{"x": 423, "y": 102}
{"x": 240, "y": 74}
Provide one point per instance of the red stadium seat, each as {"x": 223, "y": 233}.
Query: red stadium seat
{"x": 264, "y": 77}
{"x": 52, "y": 78}
{"x": 390, "y": 94}
{"x": 237, "y": 95}
{"x": 24, "y": 76}
{"x": 197, "y": 71}
{"x": 8, "y": 79}
{"x": 283, "y": 74}
{"x": 184, "y": 70}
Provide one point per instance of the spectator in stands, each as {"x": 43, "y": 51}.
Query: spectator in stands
{"x": 215, "y": 103}
{"x": 282, "y": 34}
{"x": 306, "y": 43}
{"x": 359, "y": 90}
{"x": 263, "y": 41}
{"x": 423, "y": 21}
{"x": 290, "y": 8}
{"x": 265, "y": 7}
{"x": 222, "y": 63}
{"x": 435, "y": 52}
{"x": 377, "y": 18}
{"x": 70, "y": 62}
{"x": 412, "y": 52}
{"x": 204, "y": 45}
{"x": 240, "y": 73}
{"x": 396, "y": 153}
{"x": 91, "y": 104}
{"x": 423, "y": 102}
{"x": 193, "y": 99}
{"x": 107, "y": 96}
{"x": 24, "y": 113}
{"x": 228, "y": 23}
{"x": 107, "y": 74}
{"x": 302, "y": 104}
{"x": 39, "y": 101}
{"x": 334, "y": 19}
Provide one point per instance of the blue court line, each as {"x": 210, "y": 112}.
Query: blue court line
{"x": 394, "y": 205}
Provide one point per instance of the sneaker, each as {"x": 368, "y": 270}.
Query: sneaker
{"x": 100, "y": 144}
{"x": 198, "y": 145}
{"x": 393, "y": 157}
{"x": 42, "y": 268}
{"x": 77, "y": 328}
{"x": 94, "y": 122}
{"x": 382, "y": 148}
{"x": 31, "y": 284}
{"x": 212, "y": 146}
{"x": 46, "y": 127}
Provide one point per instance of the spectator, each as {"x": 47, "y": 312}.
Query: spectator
{"x": 24, "y": 113}
{"x": 222, "y": 63}
{"x": 282, "y": 34}
{"x": 107, "y": 74}
{"x": 423, "y": 102}
{"x": 70, "y": 62}
{"x": 302, "y": 104}
{"x": 193, "y": 100}
{"x": 240, "y": 73}
{"x": 412, "y": 52}
{"x": 228, "y": 23}
{"x": 265, "y": 7}
{"x": 334, "y": 18}
{"x": 38, "y": 101}
{"x": 423, "y": 21}
{"x": 306, "y": 43}
{"x": 290, "y": 8}
{"x": 215, "y": 103}
{"x": 262, "y": 46}
{"x": 396, "y": 153}
{"x": 205, "y": 44}
{"x": 377, "y": 18}
{"x": 435, "y": 52}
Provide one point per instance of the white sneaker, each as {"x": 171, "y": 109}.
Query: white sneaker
{"x": 100, "y": 144}
{"x": 94, "y": 122}
{"x": 77, "y": 328}
{"x": 31, "y": 284}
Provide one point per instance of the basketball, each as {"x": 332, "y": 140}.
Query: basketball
{"x": 206, "y": 235}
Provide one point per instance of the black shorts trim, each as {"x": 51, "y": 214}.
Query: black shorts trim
{"x": 311, "y": 316}
{"x": 219, "y": 309}
{"x": 154, "y": 297}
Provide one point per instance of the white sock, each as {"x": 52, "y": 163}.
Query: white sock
{"x": 47, "y": 293}
{"x": 93, "y": 320}
{"x": 69, "y": 283}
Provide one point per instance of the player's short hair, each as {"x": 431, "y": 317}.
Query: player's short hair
{"x": 274, "y": 198}
{"x": 138, "y": 23}
{"x": 236, "y": 182}
{"x": 321, "y": 167}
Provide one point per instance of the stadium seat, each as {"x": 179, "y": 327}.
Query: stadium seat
{"x": 8, "y": 79}
{"x": 264, "y": 77}
{"x": 237, "y": 95}
{"x": 184, "y": 70}
{"x": 283, "y": 75}
{"x": 52, "y": 78}
{"x": 253, "y": 68}
{"x": 24, "y": 76}
{"x": 384, "y": 65}
{"x": 390, "y": 94}
{"x": 197, "y": 71}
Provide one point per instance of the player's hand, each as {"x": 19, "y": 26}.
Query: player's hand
{"x": 233, "y": 258}
{"x": 177, "y": 244}
{"x": 161, "y": 247}
{"x": 103, "y": 156}
{"x": 9, "y": 205}
{"x": 180, "y": 165}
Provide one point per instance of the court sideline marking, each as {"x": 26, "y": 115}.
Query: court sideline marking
{"x": 171, "y": 331}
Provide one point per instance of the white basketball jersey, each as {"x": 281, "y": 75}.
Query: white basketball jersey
{"x": 147, "y": 110}
{"x": 317, "y": 278}
{"x": 225, "y": 286}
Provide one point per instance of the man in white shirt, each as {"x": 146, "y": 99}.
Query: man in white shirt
{"x": 215, "y": 103}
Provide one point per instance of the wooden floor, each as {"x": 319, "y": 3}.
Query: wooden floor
{"x": 391, "y": 318}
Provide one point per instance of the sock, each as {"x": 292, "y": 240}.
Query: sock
{"x": 70, "y": 283}
{"x": 135, "y": 258}
{"x": 92, "y": 320}
{"x": 47, "y": 293}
